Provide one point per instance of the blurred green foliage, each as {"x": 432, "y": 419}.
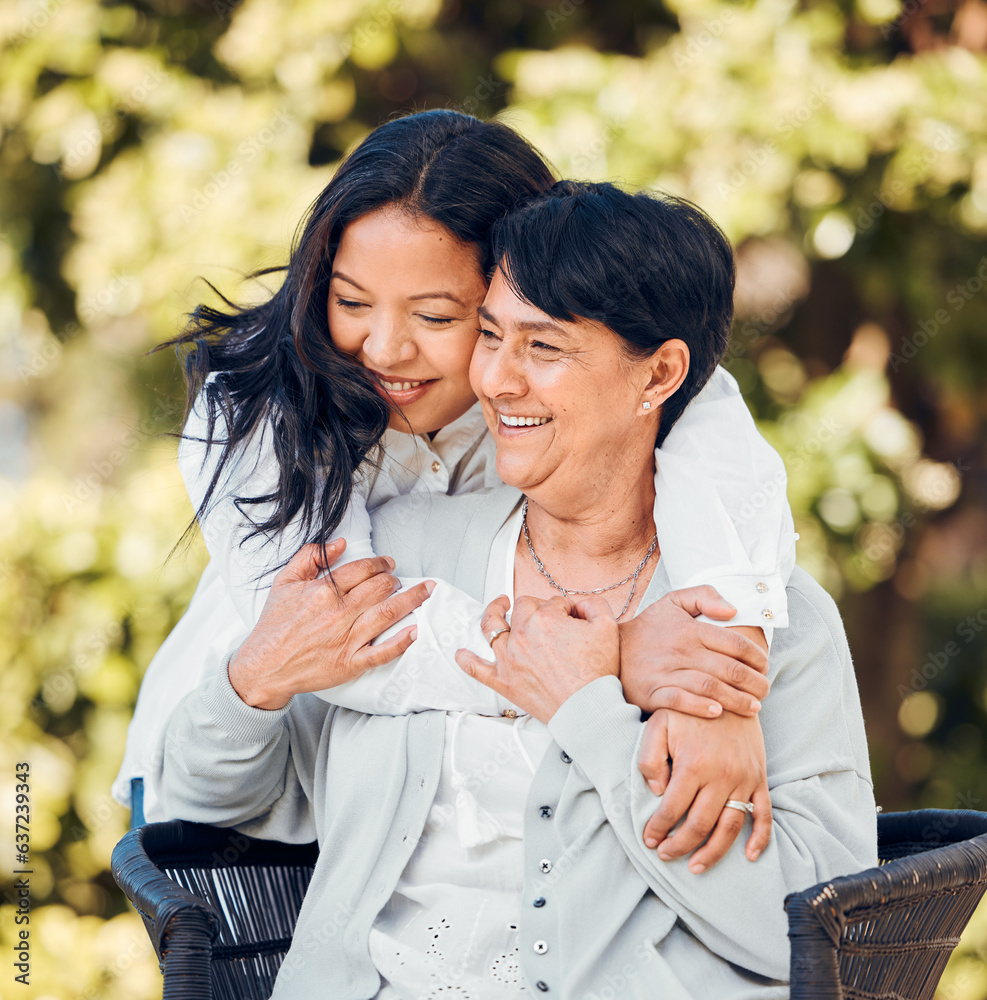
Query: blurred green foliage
{"x": 843, "y": 147}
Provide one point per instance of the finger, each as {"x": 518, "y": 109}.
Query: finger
{"x": 376, "y": 656}
{"x": 308, "y": 562}
{"x": 728, "y": 827}
{"x": 703, "y": 600}
{"x": 702, "y": 817}
{"x": 350, "y": 576}
{"x": 479, "y": 669}
{"x": 495, "y": 615}
{"x": 380, "y": 615}
{"x": 591, "y": 609}
{"x": 523, "y": 609}
{"x": 734, "y": 644}
{"x": 652, "y": 760}
{"x": 740, "y": 677}
{"x": 761, "y": 835}
{"x": 677, "y": 699}
{"x": 703, "y": 681}
{"x": 675, "y": 803}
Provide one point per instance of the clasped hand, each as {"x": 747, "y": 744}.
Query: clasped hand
{"x": 696, "y": 757}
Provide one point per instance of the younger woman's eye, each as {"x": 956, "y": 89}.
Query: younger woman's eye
{"x": 348, "y": 303}
{"x": 436, "y": 320}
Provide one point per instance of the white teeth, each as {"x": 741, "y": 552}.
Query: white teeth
{"x": 523, "y": 421}
{"x": 396, "y": 386}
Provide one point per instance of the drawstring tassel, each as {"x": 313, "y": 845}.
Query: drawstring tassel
{"x": 476, "y": 825}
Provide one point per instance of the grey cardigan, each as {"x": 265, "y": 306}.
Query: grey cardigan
{"x": 615, "y": 921}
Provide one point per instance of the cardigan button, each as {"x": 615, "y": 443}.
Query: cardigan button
{"x": 566, "y": 759}
{"x": 761, "y": 588}
{"x": 540, "y": 901}
{"x": 540, "y": 947}
{"x": 542, "y": 985}
{"x": 768, "y": 614}
{"x": 544, "y": 866}
{"x": 436, "y": 466}
{"x": 546, "y": 812}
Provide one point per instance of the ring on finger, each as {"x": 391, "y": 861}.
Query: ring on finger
{"x": 497, "y": 631}
{"x": 747, "y": 807}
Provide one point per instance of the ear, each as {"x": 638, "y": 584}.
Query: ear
{"x": 669, "y": 366}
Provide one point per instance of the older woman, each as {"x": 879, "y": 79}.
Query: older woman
{"x": 606, "y": 315}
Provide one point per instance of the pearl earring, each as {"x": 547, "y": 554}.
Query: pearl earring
{"x": 646, "y": 405}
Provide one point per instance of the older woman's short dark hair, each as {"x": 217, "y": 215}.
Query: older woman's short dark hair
{"x": 651, "y": 268}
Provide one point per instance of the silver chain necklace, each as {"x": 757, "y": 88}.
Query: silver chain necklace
{"x": 540, "y": 566}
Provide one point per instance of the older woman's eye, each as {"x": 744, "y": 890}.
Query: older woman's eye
{"x": 546, "y": 347}
{"x": 487, "y": 335}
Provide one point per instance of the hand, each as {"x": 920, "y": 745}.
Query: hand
{"x": 669, "y": 660}
{"x": 312, "y": 635}
{"x": 712, "y": 760}
{"x": 553, "y": 649}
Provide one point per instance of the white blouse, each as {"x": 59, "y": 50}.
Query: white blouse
{"x": 235, "y": 583}
{"x": 451, "y": 927}
{"x": 721, "y": 514}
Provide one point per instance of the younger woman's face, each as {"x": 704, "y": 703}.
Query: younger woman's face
{"x": 403, "y": 301}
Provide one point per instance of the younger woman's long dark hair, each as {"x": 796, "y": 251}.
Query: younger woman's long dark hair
{"x": 276, "y": 364}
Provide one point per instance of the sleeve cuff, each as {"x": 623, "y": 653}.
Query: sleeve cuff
{"x": 760, "y": 599}
{"x": 599, "y": 730}
{"x": 242, "y": 722}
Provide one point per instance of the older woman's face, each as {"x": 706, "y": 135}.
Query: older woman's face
{"x": 403, "y": 301}
{"x": 561, "y": 399}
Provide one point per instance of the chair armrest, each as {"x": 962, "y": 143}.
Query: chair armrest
{"x": 164, "y": 905}
{"x": 890, "y": 930}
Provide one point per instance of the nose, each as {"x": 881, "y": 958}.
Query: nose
{"x": 498, "y": 373}
{"x": 389, "y": 342}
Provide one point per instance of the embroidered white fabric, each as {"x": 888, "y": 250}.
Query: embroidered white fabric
{"x": 451, "y": 927}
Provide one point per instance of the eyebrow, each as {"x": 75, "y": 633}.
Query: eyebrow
{"x": 527, "y": 325}
{"x": 411, "y": 298}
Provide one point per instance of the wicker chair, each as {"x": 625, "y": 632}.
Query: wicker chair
{"x": 220, "y": 908}
{"x": 887, "y": 933}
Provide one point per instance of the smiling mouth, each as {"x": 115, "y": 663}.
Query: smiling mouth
{"x": 392, "y": 384}
{"x": 517, "y": 421}
{"x": 398, "y": 386}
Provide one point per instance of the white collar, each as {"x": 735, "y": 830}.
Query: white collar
{"x": 449, "y": 445}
